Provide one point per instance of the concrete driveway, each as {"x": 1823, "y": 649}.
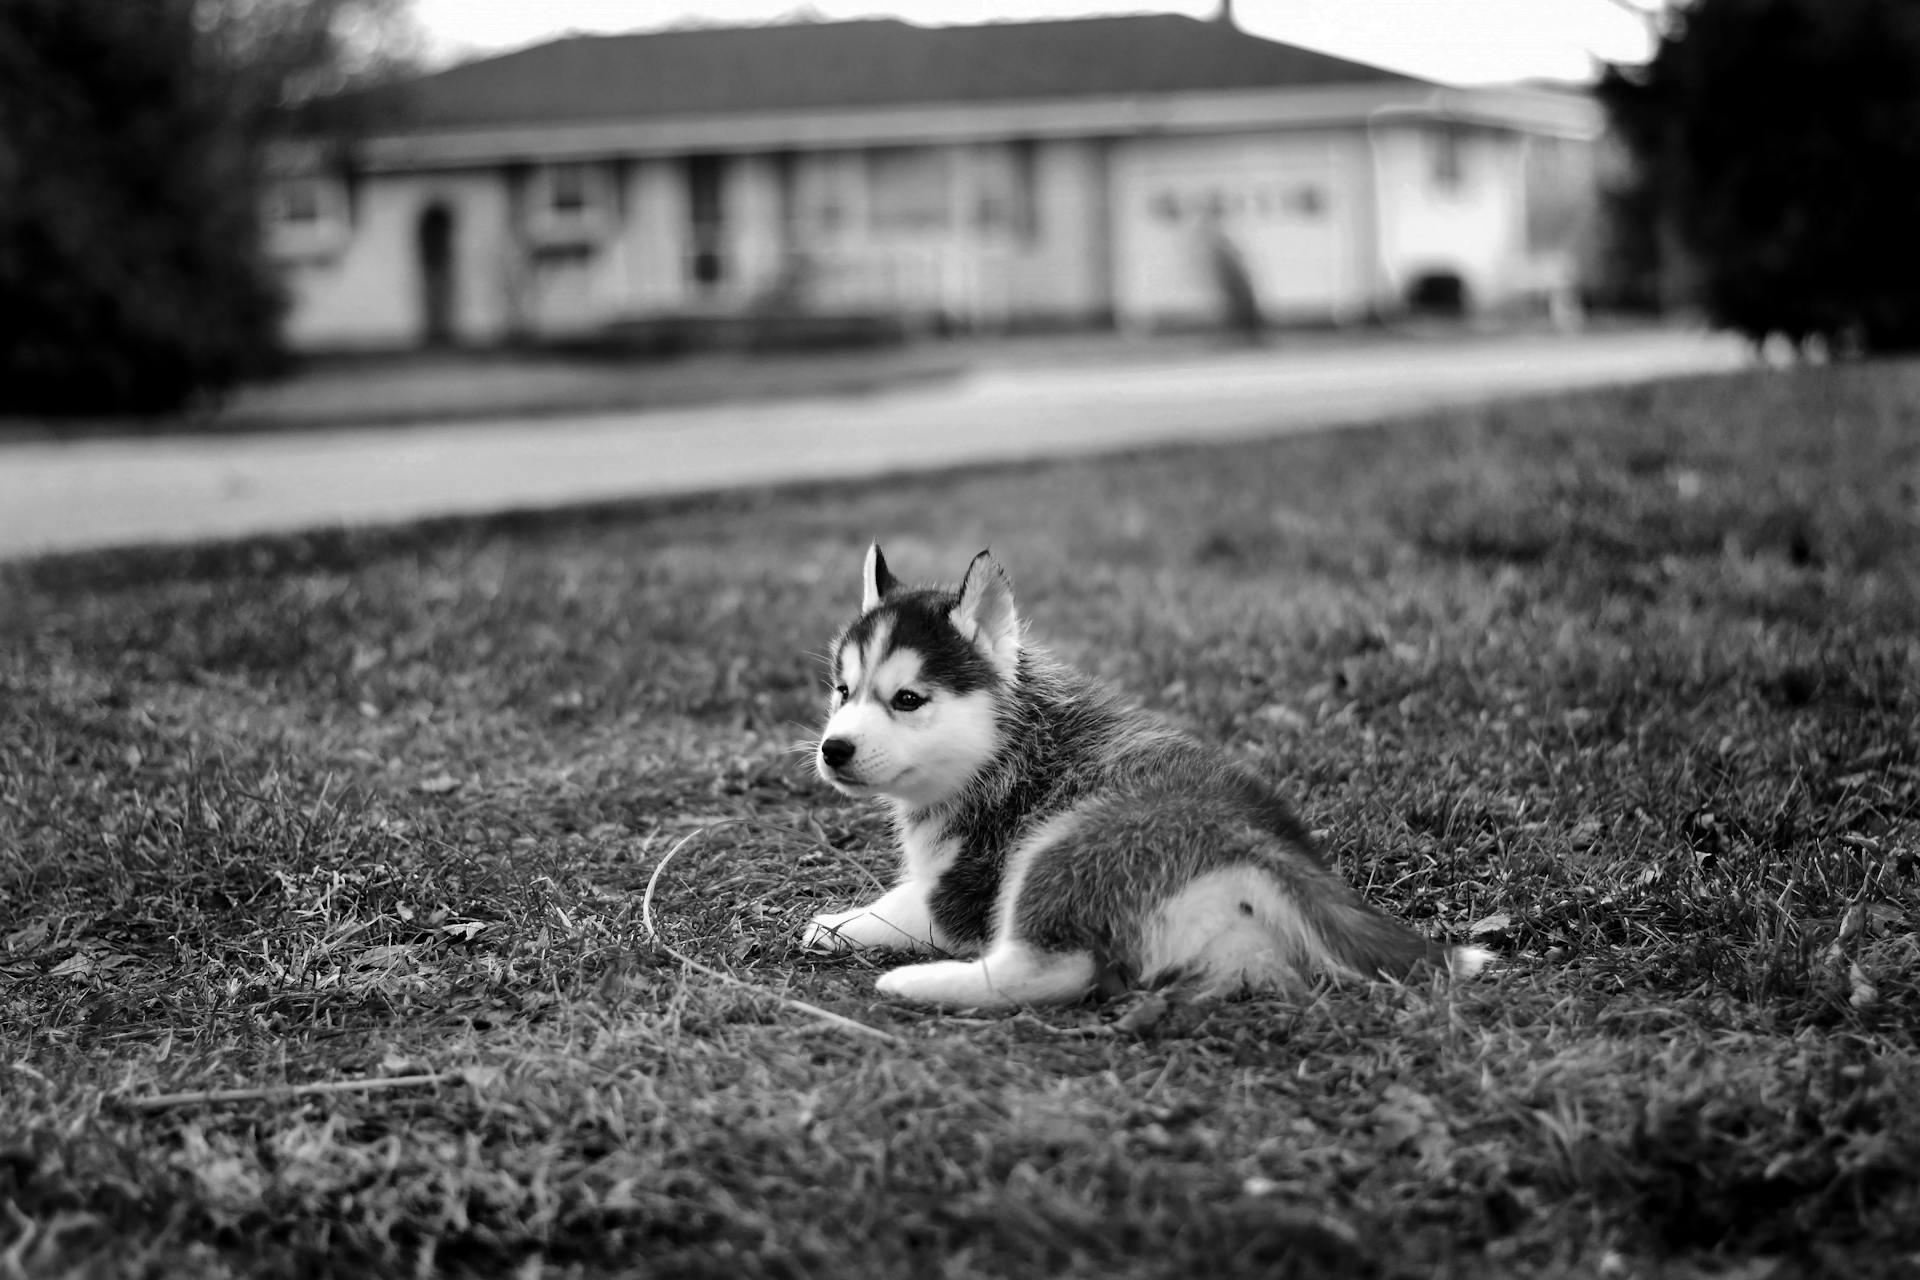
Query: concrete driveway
{"x": 95, "y": 493}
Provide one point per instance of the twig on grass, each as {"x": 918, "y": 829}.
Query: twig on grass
{"x": 721, "y": 975}
{"x": 367, "y": 1084}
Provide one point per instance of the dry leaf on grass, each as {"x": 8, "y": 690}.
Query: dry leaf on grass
{"x": 1490, "y": 926}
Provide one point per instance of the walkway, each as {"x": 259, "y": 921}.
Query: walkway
{"x": 95, "y": 493}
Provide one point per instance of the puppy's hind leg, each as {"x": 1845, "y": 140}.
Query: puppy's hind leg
{"x": 1012, "y": 973}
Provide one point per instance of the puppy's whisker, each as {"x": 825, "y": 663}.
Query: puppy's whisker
{"x": 807, "y": 741}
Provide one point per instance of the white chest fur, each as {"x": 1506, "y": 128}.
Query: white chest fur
{"x": 924, "y": 854}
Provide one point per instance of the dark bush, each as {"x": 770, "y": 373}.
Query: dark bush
{"x": 1627, "y": 274}
{"x": 1778, "y": 141}
{"x": 131, "y": 275}
{"x": 1438, "y": 293}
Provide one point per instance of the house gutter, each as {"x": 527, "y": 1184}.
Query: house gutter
{"x": 1136, "y": 115}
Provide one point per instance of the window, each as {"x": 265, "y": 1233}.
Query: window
{"x": 568, "y": 194}
{"x": 909, "y": 189}
{"x": 1307, "y": 201}
{"x": 299, "y": 204}
{"x": 565, "y": 254}
{"x": 1026, "y": 188}
{"x": 1004, "y": 181}
{"x": 570, "y": 202}
{"x": 306, "y": 217}
{"x": 829, "y": 186}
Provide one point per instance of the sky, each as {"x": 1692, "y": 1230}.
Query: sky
{"x": 1454, "y": 41}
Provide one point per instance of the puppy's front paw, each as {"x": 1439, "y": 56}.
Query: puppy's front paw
{"x": 827, "y": 934}
{"x": 896, "y": 921}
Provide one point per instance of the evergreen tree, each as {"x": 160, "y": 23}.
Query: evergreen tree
{"x": 132, "y": 140}
{"x": 1779, "y": 142}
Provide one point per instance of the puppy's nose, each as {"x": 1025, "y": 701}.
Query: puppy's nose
{"x": 836, "y": 752}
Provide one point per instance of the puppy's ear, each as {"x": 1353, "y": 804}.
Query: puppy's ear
{"x": 985, "y": 614}
{"x": 875, "y": 580}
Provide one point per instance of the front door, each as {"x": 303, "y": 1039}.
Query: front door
{"x": 436, "y": 257}
{"x": 706, "y": 213}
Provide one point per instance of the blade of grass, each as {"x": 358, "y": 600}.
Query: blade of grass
{"x": 799, "y": 1006}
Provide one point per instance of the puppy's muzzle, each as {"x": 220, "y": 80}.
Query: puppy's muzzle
{"x": 837, "y": 753}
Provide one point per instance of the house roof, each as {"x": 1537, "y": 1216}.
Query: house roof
{"x": 873, "y": 63}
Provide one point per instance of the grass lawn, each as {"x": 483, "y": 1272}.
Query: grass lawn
{"x": 1629, "y": 682}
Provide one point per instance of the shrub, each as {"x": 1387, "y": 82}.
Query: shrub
{"x": 1779, "y": 142}
{"x": 129, "y": 245}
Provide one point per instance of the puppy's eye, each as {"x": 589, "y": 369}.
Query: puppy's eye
{"x": 908, "y": 700}
{"x": 841, "y": 692}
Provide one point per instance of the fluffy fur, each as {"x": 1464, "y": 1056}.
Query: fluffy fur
{"x": 1061, "y": 839}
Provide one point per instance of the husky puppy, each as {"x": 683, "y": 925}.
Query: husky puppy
{"x": 1066, "y": 840}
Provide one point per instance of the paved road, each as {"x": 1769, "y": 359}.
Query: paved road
{"x": 113, "y": 492}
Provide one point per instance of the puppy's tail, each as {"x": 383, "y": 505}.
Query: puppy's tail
{"x": 1353, "y": 936}
{"x": 1467, "y": 962}
{"x": 1364, "y": 941}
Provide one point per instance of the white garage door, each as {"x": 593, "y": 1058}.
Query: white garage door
{"x": 1284, "y": 208}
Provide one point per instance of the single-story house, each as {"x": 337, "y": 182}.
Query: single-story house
{"x": 1098, "y": 171}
